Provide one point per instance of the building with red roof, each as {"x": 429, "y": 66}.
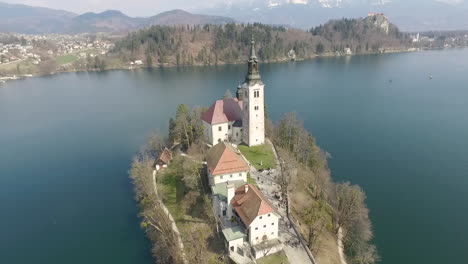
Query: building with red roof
{"x": 223, "y": 121}
{"x": 225, "y": 164}
{"x": 257, "y": 214}
{"x": 164, "y": 159}
{"x": 240, "y": 119}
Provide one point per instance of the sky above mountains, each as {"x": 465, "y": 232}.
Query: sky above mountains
{"x": 151, "y": 7}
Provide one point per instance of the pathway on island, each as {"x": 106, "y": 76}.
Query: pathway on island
{"x": 173, "y": 223}
{"x": 339, "y": 241}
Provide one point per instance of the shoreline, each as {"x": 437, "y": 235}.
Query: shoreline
{"x": 5, "y": 79}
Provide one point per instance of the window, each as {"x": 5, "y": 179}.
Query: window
{"x": 256, "y": 228}
{"x": 229, "y": 126}
{"x": 221, "y": 177}
{"x": 272, "y": 223}
{"x": 256, "y": 94}
{"x": 230, "y": 176}
{"x": 272, "y": 233}
{"x": 264, "y": 226}
{"x": 260, "y": 217}
{"x": 220, "y": 128}
{"x": 256, "y": 238}
{"x": 240, "y": 174}
{"x": 245, "y": 93}
{"x": 269, "y": 215}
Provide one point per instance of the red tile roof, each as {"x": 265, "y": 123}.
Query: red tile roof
{"x": 223, "y": 111}
{"x": 250, "y": 204}
{"x": 166, "y": 156}
{"x": 223, "y": 159}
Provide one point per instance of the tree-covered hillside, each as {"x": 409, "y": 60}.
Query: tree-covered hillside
{"x": 370, "y": 34}
{"x": 218, "y": 44}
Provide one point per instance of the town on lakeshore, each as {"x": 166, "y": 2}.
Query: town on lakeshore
{"x": 27, "y": 55}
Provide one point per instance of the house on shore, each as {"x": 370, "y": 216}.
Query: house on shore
{"x": 164, "y": 159}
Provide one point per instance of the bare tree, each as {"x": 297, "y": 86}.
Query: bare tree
{"x": 155, "y": 144}
{"x": 155, "y": 221}
{"x": 347, "y": 204}
{"x": 366, "y": 254}
{"x": 288, "y": 173}
{"x": 191, "y": 174}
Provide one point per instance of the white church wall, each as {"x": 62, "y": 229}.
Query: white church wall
{"x": 220, "y": 132}
{"x": 264, "y": 225}
{"x": 236, "y": 176}
{"x": 254, "y": 115}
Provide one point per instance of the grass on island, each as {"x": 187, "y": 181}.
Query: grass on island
{"x": 277, "y": 258}
{"x": 64, "y": 59}
{"x": 188, "y": 208}
{"x": 172, "y": 188}
{"x": 261, "y": 157}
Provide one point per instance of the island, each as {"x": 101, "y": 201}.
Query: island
{"x": 227, "y": 185}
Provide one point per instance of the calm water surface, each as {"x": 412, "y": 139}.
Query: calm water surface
{"x": 66, "y": 143}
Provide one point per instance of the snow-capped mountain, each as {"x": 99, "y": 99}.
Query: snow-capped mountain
{"x": 408, "y": 15}
{"x": 322, "y": 3}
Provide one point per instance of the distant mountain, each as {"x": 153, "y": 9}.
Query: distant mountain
{"x": 414, "y": 15}
{"x": 27, "y": 19}
{"x": 180, "y": 17}
{"x": 38, "y": 20}
{"x": 107, "y": 21}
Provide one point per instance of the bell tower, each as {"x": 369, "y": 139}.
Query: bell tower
{"x": 253, "y": 116}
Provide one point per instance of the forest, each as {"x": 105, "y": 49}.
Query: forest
{"x": 215, "y": 44}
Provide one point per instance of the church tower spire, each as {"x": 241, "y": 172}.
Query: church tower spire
{"x": 252, "y": 94}
{"x": 252, "y": 73}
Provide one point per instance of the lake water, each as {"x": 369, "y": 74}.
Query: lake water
{"x": 66, "y": 143}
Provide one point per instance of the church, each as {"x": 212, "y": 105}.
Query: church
{"x": 241, "y": 119}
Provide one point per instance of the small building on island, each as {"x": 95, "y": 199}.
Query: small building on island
{"x": 163, "y": 160}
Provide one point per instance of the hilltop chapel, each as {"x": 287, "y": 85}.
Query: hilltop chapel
{"x": 240, "y": 119}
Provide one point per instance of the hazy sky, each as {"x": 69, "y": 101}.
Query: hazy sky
{"x": 129, "y": 7}
{"x": 144, "y": 7}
